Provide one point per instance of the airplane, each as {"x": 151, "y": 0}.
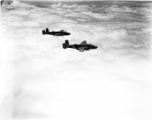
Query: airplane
{"x": 55, "y": 33}
{"x": 81, "y": 47}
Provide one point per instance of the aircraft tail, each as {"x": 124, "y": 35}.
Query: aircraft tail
{"x": 47, "y": 30}
{"x": 65, "y": 45}
{"x": 44, "y": 32}
{"x": 67, "y": 42}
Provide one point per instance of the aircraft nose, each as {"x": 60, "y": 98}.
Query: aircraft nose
{"x": 95, "y": 47}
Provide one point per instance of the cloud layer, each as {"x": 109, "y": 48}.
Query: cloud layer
{"x": 47, "y": 81}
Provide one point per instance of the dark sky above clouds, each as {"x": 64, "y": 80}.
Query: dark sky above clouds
{"x": 84, "y": 0}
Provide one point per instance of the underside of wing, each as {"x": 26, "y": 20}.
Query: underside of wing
{"x": 81, "y": 49}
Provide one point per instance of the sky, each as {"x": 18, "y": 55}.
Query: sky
{"x": 79, "y": 0}
{"x": 43, "y": 81}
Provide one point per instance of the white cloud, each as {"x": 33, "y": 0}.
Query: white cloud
{"x": 48, "y": 82}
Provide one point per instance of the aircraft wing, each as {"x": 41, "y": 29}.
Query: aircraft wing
{"x": 83, "y": 43}
{"x": 61, "y": 31}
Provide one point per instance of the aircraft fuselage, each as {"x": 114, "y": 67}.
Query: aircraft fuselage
{"x": 55, "y": 33}
{"x": 80, "y": 47}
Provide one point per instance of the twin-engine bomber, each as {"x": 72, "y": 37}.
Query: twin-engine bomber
{"x": 81, "y": 47}
{"x": 55, "y": 33}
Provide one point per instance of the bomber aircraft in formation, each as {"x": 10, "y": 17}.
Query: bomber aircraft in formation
{"x": 55, "y": 33}
{"x": 81, "y": 47}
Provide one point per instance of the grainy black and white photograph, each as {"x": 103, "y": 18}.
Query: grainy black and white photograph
{"x": 75, "y": 60}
